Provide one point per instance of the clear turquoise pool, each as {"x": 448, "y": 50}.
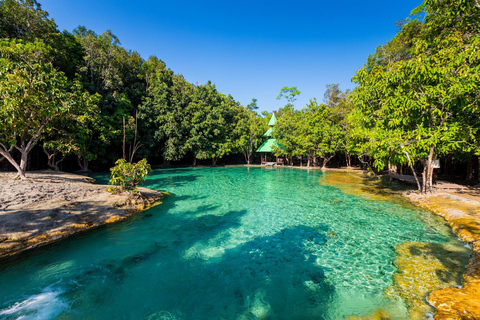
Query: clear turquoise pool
{"x": 229, "y": 243}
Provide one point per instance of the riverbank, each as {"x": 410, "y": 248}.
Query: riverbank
{"x": 50, "y": 206}
{"x": 460, "y": 206}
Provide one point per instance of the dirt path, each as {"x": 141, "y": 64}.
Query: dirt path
{"x": 50, "y": 206}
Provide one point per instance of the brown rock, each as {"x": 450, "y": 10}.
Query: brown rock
{"x": 462, "y": 213}
{"x": 26, "y": 222}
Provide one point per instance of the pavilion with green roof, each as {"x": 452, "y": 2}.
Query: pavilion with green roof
{"x": 267, "y": 146}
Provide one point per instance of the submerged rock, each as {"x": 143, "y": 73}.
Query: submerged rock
{"x": 430, "y": 270}
{"x": 377, "y": 315}
{"x": 423, "y": 268}
{"x": 357, "y": 184}
{"x": 463, "y": 215}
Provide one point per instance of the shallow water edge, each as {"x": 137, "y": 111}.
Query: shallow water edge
{"x": 427, "y": 272}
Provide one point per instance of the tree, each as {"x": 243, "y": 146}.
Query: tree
{"x": 289, "y": 93}
{"x": 24, "y": 19}
{"x": 252, "y": 106}
{"x": 247, "y": 134}
{"x": 164, "y": 111}
{"x": 113, "y": 73}
{"x": 288, "y": 133}
{"x": 332, "y": 95}
{"x": 129, "y": 175}
{"x": 210, "y": 115}
{"x": 319, "y": 135}
{"x": 33, "y": 95}
{"x": 423, "y": 103}
{"x": 341, "y": 106}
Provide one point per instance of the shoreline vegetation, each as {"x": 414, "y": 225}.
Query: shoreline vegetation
{"x": 50, "y": 206}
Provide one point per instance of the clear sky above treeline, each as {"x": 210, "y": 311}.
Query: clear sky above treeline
{"x": 250, "y": 49}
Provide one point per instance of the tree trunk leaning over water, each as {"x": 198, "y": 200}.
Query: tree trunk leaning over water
{"x": 410, "y": 163}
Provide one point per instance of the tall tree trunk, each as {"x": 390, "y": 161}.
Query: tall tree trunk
{"x": 410, "y": 163}
{"x": 23, "y": 160}
{"x": 424, "y": 177}
{"x": 478, "y": 169}
{"x": 392, "y": 169}
{"x": 308, "y": 161}
{"x": 83, "y": 164}
{"x": 194, "y": 160}
{"x": 470, "y": 170}
{"x": 428, "y": 187}
{"x": 348, "y": 159}
{"x": 430, "y": 174}
{"x": 325, "y": 161}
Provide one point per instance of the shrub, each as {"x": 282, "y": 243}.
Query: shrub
{"x": 128, "y": 175}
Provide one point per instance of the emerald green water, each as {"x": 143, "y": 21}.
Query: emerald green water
{"x": 229, "y": 243}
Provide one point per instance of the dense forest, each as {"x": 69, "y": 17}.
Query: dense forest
{"x": 82, "y": 96}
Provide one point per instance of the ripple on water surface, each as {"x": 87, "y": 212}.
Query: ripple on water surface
{"x": 228, "y": 243}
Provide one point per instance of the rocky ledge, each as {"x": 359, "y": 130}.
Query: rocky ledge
{"x": 50, "y": 206}
{"x": 462, "y": 212}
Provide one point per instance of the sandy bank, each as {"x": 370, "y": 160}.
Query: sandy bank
{"x": 54, "y": 205}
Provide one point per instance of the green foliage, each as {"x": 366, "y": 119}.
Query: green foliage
{"x": 247, "y": 133}
{"x": 312, "y": 131}
{"x": 24, "y": 19}
{"x": 164, "y": 111}
{"x": 416, "y": 100}
{"x": 252, "y": 106}
{"x": 289, "y": 93}
{"x": 333, "y": 95}
{"x": 417, "y": 97}
{"x": 128, "y": 176}
{"x": 33, "y": 95}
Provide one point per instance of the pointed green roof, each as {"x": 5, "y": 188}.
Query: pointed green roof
{"x": 273, "y": 120}
{"x": 267, "y": 145}
{"x": 268, "y": 133}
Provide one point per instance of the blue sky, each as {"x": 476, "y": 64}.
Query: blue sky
{"x": 249, "y": 49}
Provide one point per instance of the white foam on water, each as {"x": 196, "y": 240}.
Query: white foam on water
{"x": 46, "y": 305}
